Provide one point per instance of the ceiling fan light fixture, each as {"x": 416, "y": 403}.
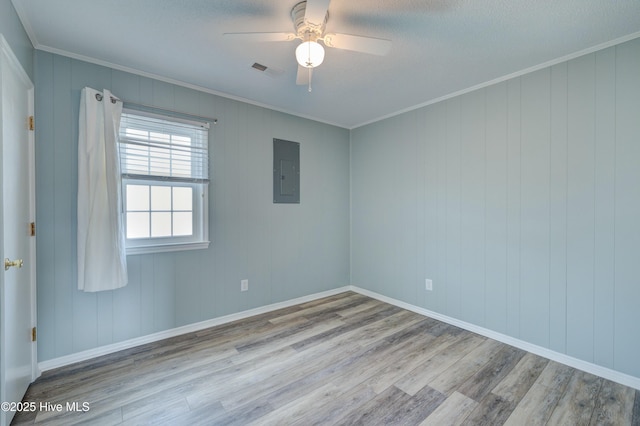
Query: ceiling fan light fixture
{"x": 310, "y": 54}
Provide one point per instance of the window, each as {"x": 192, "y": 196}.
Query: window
{"x": 165, "y": 177}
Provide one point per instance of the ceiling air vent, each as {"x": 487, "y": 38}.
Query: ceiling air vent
{"x": 270, "y": 71}
{"x": 259, "y": 67}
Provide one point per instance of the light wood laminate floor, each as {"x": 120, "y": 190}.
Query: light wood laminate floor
{"x": 342, "y": 360}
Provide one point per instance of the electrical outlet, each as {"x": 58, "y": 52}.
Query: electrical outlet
{"x": 244, "y": 285}
{"x": 428, "y": 284}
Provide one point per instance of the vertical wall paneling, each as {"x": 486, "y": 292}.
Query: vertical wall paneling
{"x": 258, "y": 218}
{"x": 558, "y": 211}
{"x": 127, "y": 317}
{"x": 604, "y": 205}
{"x": 495, "y": 244}
{"x": 407, "y": 208}
{"x": 44, "y": 148}
{"x": 514, "y": 196}
{"x": 141, "y": 265}
{"x": 428, "y": 137}
{"x": 453, "y": 214}
{"x": 534, "y": 202}
{"x": 127, "y": 320}
{"x": 472, "y": 206}
{"x": 440, "y": 288}
{"x": 126, "y": 86}
{"x": 284, "y": 254}
{"x": 627, "y": 208}
{"x": 537, "y": 200}
{"x": 68, "y": 332}
{"x": 580, "y": 206}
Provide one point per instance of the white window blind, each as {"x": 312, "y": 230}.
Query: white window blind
{"x": 152, "y": 147}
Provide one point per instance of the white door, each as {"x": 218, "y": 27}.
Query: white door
{"x": 17, "y": 282}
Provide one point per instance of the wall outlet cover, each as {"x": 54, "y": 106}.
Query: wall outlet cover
{"x": 428, "y": 284}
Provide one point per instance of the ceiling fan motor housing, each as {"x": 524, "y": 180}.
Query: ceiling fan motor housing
{"x": 307, "y": 31}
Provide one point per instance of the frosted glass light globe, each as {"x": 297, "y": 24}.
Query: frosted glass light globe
{"x": 310, "y": 54}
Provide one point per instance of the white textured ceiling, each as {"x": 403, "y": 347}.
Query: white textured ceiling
{"x": 439, "y": 46}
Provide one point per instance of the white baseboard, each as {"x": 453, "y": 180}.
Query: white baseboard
{"x": 150, "y": 338}
{"x": 591, "y": 368}
{"x": 607, "y": 373}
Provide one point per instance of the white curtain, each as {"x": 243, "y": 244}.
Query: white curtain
{"x": 102, "y": 261}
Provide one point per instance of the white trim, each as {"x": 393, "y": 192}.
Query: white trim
{"x": 35, "y": 371}
{"x": 127, "y": 344}
{"x": 507, "y": 77}
{"x": 166, "y": 248}
{"x": 14, "y": 64}
{"x": 607, "y": 373}
{"x": 579, "y": 364}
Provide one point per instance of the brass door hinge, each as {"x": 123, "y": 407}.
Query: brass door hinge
{"x": 32, "y": 229}
{"x": 34, "y": 334}
{"x": 32, "y": 124}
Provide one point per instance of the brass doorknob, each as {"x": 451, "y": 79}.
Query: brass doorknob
{"x": 9, "y": 263}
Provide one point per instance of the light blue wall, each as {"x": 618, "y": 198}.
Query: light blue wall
{"x": 520, "y": 200}
{"x": 285, "y": 251}
{"x": 12, "y": 30}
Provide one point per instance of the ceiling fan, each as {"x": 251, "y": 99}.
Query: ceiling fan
{"x": 309, "y": 21}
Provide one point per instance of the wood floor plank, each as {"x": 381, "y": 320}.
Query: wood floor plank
{"x": 415, "y": 410}
{"x": 157, "y": 411}
{"x": 437, "y": 358}
{"x": 297, "y": 408}
{"x": 449, "y": 380}
{"x": 131, "y": 387}
{"x": 614, "y": 405}
{"x": 364, "y": 319}
{"x": 259, "y": 347}
{"x": 492, "y": 410}
{"x": 370, "y": 304}
{"x": 352, "y": 369}
{"x": 261, "y": 378}
{"x": 329, "y": 306}
{"x": 538, "y": 404}
{"x": 205, "y": 416}
{"x": 377, "y": 408}
{"x": 518, "y": 382}
{"x": 328, "y": 299}
{"x": 409, "y": 361}
{"x": 343, "y": 359}
{"x": 452, "y": 412}
{"x": 332, "y": 412}
{"x": 272, "y": 370}
{"x": 578, "y": 402}
{"x": 492, "y": 373}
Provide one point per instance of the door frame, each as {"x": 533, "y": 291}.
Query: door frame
{"x": 7, "y": 56}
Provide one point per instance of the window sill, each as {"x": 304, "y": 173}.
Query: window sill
{"x": 164, "y": 248}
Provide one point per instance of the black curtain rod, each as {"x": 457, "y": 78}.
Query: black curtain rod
{"x": 99, "y": 97}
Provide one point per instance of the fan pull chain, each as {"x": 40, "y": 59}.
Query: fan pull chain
{"x": 309, "y": 70}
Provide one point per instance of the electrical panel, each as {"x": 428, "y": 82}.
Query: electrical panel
{"x": 286, "y": 171}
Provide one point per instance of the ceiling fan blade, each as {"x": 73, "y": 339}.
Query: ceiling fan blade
{"x": 304, "y": 76}
{"x": 316, "y": 11}
{"x": 259, "y": 37}
{"x": 374, "y": 46}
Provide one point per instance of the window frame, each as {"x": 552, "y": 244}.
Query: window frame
{"x": 199, "y": 239}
